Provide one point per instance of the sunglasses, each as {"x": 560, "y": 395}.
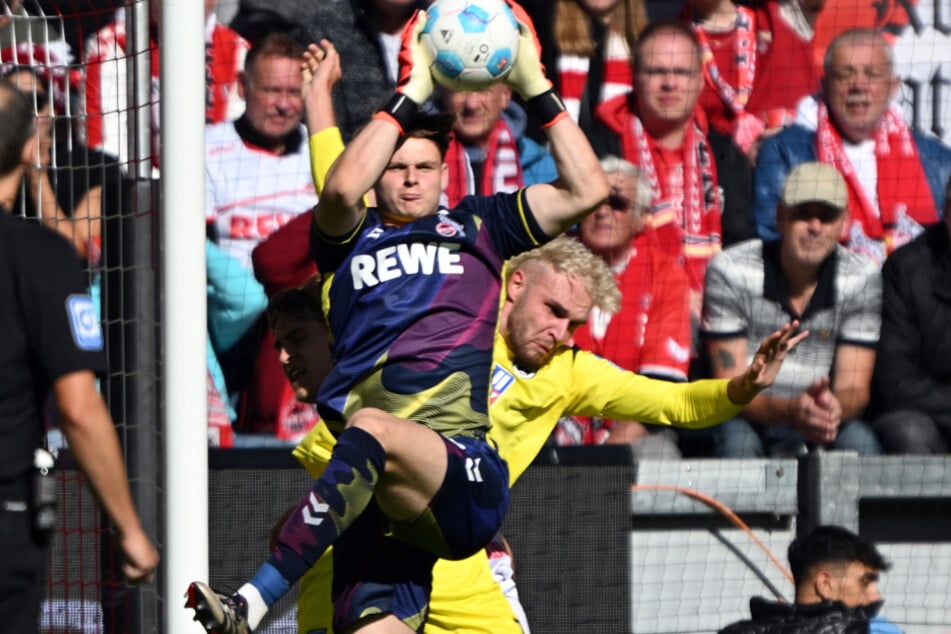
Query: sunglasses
{"x": 618, "y": 202}
{"x": 823, "y": 213}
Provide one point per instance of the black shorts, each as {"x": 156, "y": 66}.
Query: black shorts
{"x": 24, "y": 560}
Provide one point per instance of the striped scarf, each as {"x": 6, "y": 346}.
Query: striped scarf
{"x": 904, "y": 204}
{"x": 501, "y": 169}
{"x": 617, "y": 73}
{"x": 688, "y": 229}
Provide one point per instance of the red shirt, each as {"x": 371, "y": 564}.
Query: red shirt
{"x": 650, "y": 334}
{"x": 723, "y": 47}
{"x": 786, "y": 71}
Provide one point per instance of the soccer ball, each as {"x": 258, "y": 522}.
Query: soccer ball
{"x": 473, "y": 42}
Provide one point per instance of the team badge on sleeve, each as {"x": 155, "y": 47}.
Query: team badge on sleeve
{"x": 501, "y": 380}
{"x": 83, "y": 322}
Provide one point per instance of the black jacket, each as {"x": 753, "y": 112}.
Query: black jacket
{"x": 828, "y": 617}
{"x": 913, "y": 364}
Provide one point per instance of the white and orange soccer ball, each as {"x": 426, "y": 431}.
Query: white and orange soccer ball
{"x": 473, "y": 42}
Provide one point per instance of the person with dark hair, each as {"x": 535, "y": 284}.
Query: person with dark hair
{"x": 836, "y": 575}
{"x": 70, "y": 185}
{"x": 51, "y": 342}
{"x": 300, "y": 338}
{"x": 411, "y": 297}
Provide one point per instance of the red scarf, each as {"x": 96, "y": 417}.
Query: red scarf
{"x": 224, "y": 58}
{"x": 744, "y": 127}
{"x": 501, "y": 171}
{"x": 744, "y": 49}
{"x": 689, "y": 231}
{"x": 903, "y": 191}
{"x": 618, "y": 76}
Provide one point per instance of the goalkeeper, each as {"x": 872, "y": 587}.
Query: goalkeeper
{"x": 411, "y": 294}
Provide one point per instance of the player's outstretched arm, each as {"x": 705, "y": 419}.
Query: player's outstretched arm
{"x": 364, "y": 159}
{"x": 766, "y": 364}
{"x": 581, "y": 184}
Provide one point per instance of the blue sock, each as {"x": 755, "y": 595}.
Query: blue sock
{"x": 270, "y": 584}
{"x": 337, "y": 497}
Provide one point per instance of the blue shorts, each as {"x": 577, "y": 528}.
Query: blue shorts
{"x": 384, "y": 567}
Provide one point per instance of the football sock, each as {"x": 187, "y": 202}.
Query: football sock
{"x": 336, "y": 499}
{"x": 257, "y": 606}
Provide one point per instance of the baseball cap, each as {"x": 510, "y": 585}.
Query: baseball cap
{"x": 815, "y": 182}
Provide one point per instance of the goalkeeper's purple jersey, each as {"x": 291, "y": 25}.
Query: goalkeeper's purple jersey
{"x": 412, "y": 311}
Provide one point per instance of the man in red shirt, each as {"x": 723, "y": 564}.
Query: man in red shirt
{"x": 664, "y": 133}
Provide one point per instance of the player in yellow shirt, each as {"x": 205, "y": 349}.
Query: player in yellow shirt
{"x": 536, "y": 380}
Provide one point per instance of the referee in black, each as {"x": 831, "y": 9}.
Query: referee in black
{"x": 49, "y": 339}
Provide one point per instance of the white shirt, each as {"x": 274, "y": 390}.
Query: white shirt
{"x": 250, "y": 192}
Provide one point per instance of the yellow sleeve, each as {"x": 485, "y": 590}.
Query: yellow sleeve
{"x": 606, "y": 390}
{"x": 314, "y": 450}
{"x": 325, "y": 147}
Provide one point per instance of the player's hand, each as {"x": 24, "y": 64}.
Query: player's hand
{"x": 766, "y": 364}
{"x": 527, "y": 76}
{"x": 320, "y": 70}
{"x": 415, "y": 62}
{"x": 141, "y": 558}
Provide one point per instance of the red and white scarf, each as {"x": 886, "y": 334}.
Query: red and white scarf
{"x": 690, "y": 231}
{"x": 618, "y": 76}
{"x": 501, "y": 172}
{"x": 746, "y": 128}
{"x": 744, "y": 49}
{"x": 905, "y": 202}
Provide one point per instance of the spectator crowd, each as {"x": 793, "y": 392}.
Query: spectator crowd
{"x": 760, "y": 171}
{"x": 760, "y": 174}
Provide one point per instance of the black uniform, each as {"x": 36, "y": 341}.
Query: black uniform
{"x": 48, "y": 329}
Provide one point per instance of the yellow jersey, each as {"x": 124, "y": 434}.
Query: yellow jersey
{"x": 523, "y": 408}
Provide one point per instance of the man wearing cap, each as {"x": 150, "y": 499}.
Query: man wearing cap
{"x": 756, "y": 286}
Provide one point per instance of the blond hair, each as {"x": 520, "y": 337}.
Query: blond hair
{"x": 572, "y": 26}
{"x": 570, "y": 257}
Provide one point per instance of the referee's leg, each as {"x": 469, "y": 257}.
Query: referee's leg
{"x": 23, "y": 564}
